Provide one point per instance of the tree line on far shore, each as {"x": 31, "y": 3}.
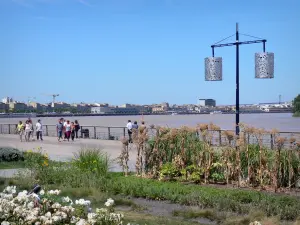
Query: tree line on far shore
{"x": 296, "y": 106}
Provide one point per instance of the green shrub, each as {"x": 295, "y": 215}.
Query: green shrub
{"x": 92, "y": 160}
{"x": 8, "y": 154}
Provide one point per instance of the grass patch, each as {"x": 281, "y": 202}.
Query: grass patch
{"x": 12, "y": 165}
{"x": 140, "y": 218}
{"x": 230, "y": 200}
{"x": 192, "y": 214}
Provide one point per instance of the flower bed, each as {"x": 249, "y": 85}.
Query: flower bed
{"x": 48, "y": 207}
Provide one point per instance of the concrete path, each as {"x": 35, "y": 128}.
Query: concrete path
{"x": 7, "y": 173}
{"x": 64, "y": 151}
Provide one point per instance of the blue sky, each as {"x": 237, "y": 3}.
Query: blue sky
{"x": 144, "y": 51}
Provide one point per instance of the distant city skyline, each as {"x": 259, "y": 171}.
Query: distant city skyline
{"x": 143, "y": 51}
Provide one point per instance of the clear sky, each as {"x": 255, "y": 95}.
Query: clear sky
{"x": 144, "y": 51}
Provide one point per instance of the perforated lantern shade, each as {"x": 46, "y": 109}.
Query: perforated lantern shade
{"x": 213, "y": 68}
{"x": 264, "y": 65}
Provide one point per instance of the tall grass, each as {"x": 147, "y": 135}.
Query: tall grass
{"x": 92, "y": 160}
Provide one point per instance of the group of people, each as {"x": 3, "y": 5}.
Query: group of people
{"x": 68, "y": 129}
{"x": 27, "y": 129}
{"x": 130, "y": 126}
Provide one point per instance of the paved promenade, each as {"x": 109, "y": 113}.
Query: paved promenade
{"x": 63, "y": 151}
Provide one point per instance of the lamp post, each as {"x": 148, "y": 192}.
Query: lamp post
{"x": 264, "y": 67}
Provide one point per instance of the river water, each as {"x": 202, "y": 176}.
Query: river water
{"x": 280, "y": 121}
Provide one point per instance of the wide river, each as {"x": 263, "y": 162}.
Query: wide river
{"x": 280, "y": 121}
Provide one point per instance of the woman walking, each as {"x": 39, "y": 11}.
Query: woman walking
{"x": 68, "y": 130}
{"x": 20, "y": 129}
{"x": 27, "y": 130}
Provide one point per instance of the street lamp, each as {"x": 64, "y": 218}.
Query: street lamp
{"x": 264, "y": 67}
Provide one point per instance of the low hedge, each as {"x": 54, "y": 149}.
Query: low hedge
{"x": 8, "y": 154}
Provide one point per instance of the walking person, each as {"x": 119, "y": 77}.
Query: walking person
{"x": 68, "y": 130}
{"x": 129, "y": 130}
{"x": 27, "y": 130}
{"x": 73, "y": 130}
{"x": 31, "y": 130}
{"x": 39, "y": 130}
{"x": 20, "y": 130}
{"x": 65, "y": 133}
{"x": 77, "y": 128}
{"x": 59, "y": 129}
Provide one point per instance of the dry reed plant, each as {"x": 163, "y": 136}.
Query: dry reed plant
{"x": 194, "y": 153}
{"x": 124, "y": 156}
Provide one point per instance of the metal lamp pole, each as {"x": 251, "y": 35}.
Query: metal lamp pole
{"x": 264, "y": 67}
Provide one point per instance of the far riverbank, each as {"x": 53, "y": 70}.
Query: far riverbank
{"x": 281, "y": 121}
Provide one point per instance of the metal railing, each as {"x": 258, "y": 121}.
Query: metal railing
{"x": 116, "y": 133}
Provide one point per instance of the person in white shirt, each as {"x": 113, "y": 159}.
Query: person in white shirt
{"x": 68, "y": 129}
{"x": 39, "y": 130}
{"x": 129, "y": 130}
{"x": 65, "y": 132}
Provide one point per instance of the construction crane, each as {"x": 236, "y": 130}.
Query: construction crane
{"x": 53, "y": 98}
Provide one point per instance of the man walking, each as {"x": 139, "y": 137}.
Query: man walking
{"x": 59, "y": 129}
{"x": 39, "y": 130}
{"x": 129, "y": 130}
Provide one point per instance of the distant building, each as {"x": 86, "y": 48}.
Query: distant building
{"x": 4, "y": 107}
{"x": 133, "y": 111}
{"x": 17, "y": 106}
{"x": 35, "y": 105}
{"x": 114, "y": 110}
{"x": 126, "y": 105}
{"x": 60, "y": 105}
{"x": 207, "y": 102}
{"x": 101, "y": 110}
{"x": 82, "y": 107}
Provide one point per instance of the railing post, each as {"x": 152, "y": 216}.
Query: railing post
{"x": 124, "y": 132}
{"x": 95, "y": 135}
{"x": 1, "y": 128}
{"x": 81, "y": 134}
{"x": 220, "y": 137}
{"x": 108, "y": 128}
{"x": 272, "y": 143}
{"x": 16, "y": 128}
{"x": 8, "y": 128}
{"x": 46, "y": 133}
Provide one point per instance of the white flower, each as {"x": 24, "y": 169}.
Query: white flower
{"x": 109, "y": 202}
{"x": 48, "y": 215}
{"x": 56, "y": 218}
{"x": 56, "y": 192}
{"x": 30, "y": 205}
{"x": 42, "y": 192}
{"x": 67, "y": 200}
{"x": 82, "y": 202}
{"x": 10, "y": 190}
{"x": 92, "y": 218}
{"x": 5, "y": 223}
{"x": 56, "y": 206}
{"x": 81, "y": 222}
